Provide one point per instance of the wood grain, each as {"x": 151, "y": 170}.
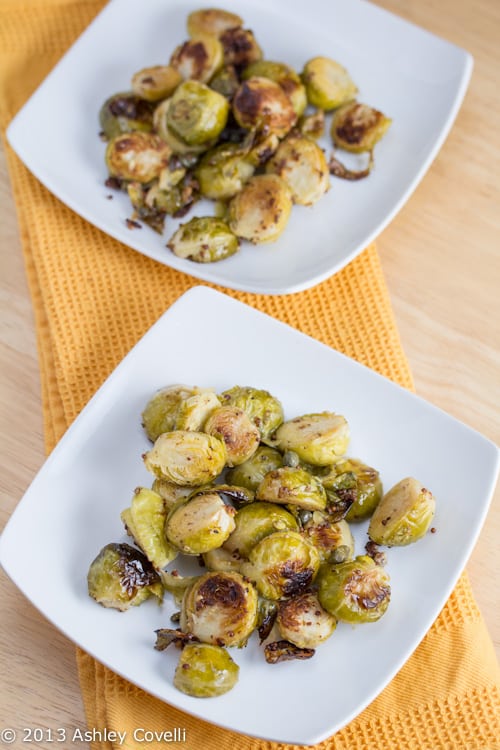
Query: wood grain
{"x": 441, "y": 258}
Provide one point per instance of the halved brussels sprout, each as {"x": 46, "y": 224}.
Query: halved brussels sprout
{"x": 198, "y": 58}
{"x": 366, "y": 487}
{"x": 202, "y": 523}
{"x": 334, "y": 541}
{"x": 204, "y": 239}
{"x": 355, "y": 591}
{"x": 221, "y": 559}
{"x": 302, "y": 164}
{"x": 205, "y": 671}
{"x": 264, "y": 409}
{"x": 160, "y": 413}
{"x": 303, "y": 621}
{"x": 155, "y": 83}
{"x": 255, "y": 521}
{"x": 197, "y": 114}
{"x": 223, "y": 171}
{"x": 121, "y": 577}
{"x": 234, "y": 427}
{"x": 240, "y": 47}
{"x": 284, "y": 76}
{"x": 292, "y": 486}
{"x": 260, "y": 211}
{"x": 220, "y": 608}
{"x": 261, "y": 104}
{"x": 186, "y": 458}
{"x": 404, "y": 514}
{"x": 172, "y": 175}
{"x": 137, "y": 156}
{"x": 328, "y": 84}
{"x": 282, "y": 564}
{"x": 251, "y": 473}
{"x": 211, "y": 22}
{"x": 145, "y": 522}
{"x": 318, "y": 439}
{"x": 357, "y": 127}
{"x": 194, "y": 410}
{"x": 125, "y": 113}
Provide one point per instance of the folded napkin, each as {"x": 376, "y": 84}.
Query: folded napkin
{"x": 93, "y": 298}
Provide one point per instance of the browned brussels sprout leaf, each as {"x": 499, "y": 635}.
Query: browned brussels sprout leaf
{"x": 285, "y": 651}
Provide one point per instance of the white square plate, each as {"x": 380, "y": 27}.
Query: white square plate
{"x": 414, "y": 77}
{"x": 73, "y": 507}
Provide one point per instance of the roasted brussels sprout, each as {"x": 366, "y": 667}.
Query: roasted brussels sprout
{"x": 328, "y": 84}
{"x": 334, "y": 541}
{"x": 261, "y": 104}
{"x": 240, "y": 47}
{"x": 302, "y": 164}
{"x": 365, "y": 485}
{"x": 260, "y": 212}
{"x": 202, "y": 523}
{"x": 282, "y": 564}
{"x": 160, "y": 413}
{"x": 303, "y": 621}
{"x": 125, "y": 113}
{"x": 204, "y": 239}
{"x": 155, "y": 83}
{"x": 145, "y": 522}
{"x": 357, "y": 127}
{"x": 198, "y": 59}
{"x": 318, "y": 439}
{"x": 292, "y": 486}
{"x": 220, "y": 608}
{"x": 284, "y": 76}
{"x": 265, "y": 410}
{"x": 186, "y": 458}
{"x": 194, "y": 410}
{"x": 251, "y": 473}
{"x": 175, "y": 201}
{"x": 239, "y": 434}
{"x": 355, "y": 591}
{"x": 121, "y": 577}
{"x": 403, "y": 515}
{"x": 212, "y": 22}
{"x": 205, "y": 671}
{"x": 136, "y": 156}
{"x": 196, "y": 114}
{"x": 223, "y": 171}
{"x": 255, "y": 521}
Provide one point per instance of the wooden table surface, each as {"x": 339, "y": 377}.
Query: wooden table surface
{"x": 441, "y": 258}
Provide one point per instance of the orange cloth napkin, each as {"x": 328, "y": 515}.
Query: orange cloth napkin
{"x": 93, "y": 298}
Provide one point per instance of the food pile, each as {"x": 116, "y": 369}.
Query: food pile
{"x": 266, "y": 506}
{"x": 221, "y": 122}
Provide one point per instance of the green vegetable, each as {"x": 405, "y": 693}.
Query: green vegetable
{"x": 197, "y": 114}
{"x": 328, "y": 84}
{"x": 251, "y": 473}
{"x": 355, "y": 591}
{"x": 404, "y": 514}
{"x": 220, "y": 608}
{"x": 145, "y": 522}
{"x": 186, "y": 458}
{"x": 255, "y": 521}
{"x": 200, "y": 524}
{"x": 318, "y": 439}
{"x": 125, "y": 113}
{"x": 121, "y": 577}
{"x": 292, "y": 486}
{"x": 205, "y": 671}
{"x": 204, "y": 240}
